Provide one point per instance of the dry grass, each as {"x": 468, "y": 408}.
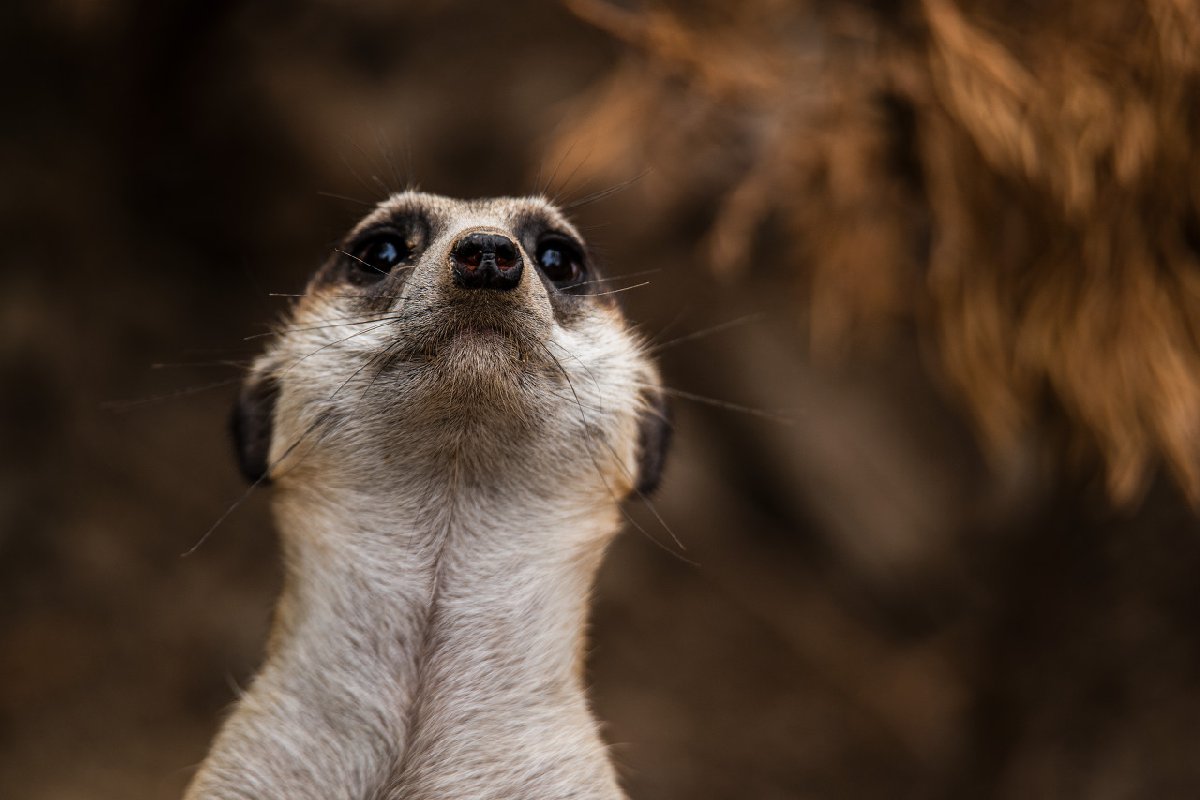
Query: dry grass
{"x": 1014, "y": 179}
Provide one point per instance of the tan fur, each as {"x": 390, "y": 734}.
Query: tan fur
{"x": 442, "y": 516}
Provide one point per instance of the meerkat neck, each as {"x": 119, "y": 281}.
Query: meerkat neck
{"x": 501, "y": 710}
{"x": 428, "y": 651}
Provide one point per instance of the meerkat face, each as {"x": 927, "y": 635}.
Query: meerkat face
{"x": 469, "y": 337}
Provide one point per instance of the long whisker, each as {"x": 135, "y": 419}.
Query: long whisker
{"x": 385, "y": 151}
{"x": 366, "y": 363}
{"x": 733, "y": 323}
{"x": 632, "y": 479}
{"x": 386, "y": 361}
{"x": 380, "y": 184}
{"x": 622, "y": 289}
{"x": 600, "y": 473}
{"x": 388, "y": 352}
{"x": 554, "y": 174}
{"x": 378, "y": 316}
{"x": 372, "y": 266}
{"x": 410, "y": 176}
{"x": 570, "y": 176}
{"x": 638, "y": 274}
{"x": 331, "y": 344}
{"x": 566, "y": 184}
{"x": 322, "y": 294}
{"x": 718, "y": 403}
{"x": 675, "y": 320}
{"x": 195, "y": 364}
{"x": 590, "y": 406}
{"x": 603, "y": 193}
{"x": 321, "y": 418}
{"x": 127, "y": 405}
{"x": 357, "y": 176}
{"x": 236, "y": 504}
{"x": 345, "y": 198}
{"x": 384, "y": 353}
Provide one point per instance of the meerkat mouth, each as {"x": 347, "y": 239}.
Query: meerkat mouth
{"x": 497, "y": 344}
{"x": 481, "y": 330}
{"x": 462, "y": 344}
{"x": 486, "y": 323}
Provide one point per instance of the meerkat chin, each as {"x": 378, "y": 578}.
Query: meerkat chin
{"x": 450, "y": 416}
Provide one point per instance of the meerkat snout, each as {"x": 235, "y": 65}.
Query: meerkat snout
{"x": 486, "y": 261}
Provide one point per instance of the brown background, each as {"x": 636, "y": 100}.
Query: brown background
{"x": 872, "y": 611}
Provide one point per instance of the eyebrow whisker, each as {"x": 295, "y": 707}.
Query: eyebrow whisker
{"x": 603, "y": 193}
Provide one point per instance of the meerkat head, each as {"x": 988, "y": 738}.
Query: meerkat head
{"x": 465, "y": 340}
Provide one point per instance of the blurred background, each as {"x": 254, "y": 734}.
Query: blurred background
{"x": 926, "y": 275}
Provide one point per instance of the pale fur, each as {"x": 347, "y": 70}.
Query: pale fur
{"x": 442, "y": 522}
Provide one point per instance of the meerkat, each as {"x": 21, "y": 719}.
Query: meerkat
{"x": 449, "y": 418}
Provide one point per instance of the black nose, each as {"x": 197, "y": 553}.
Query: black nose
{"x": 486, "y": 261}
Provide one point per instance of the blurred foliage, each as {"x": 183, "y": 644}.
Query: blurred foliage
{"x": 1019, "y": 182}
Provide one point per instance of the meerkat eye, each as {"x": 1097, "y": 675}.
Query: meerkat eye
{"x": 379, "y": 254}
{"x": 560, "y": 260}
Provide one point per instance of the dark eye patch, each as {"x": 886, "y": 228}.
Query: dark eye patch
{"x": 377, "y": 255}
{"x": 561, "y": 260}
{"x": 381, "y": 250}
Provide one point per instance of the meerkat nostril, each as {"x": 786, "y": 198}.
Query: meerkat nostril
{"x": 468, "y": 252}
{"x": 506, "y": 254}
{"x": 486, "y": 261}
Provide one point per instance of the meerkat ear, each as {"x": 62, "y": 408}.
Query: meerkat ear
{"x": 251, "y": 424}
{"x": 654, "y": 439}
